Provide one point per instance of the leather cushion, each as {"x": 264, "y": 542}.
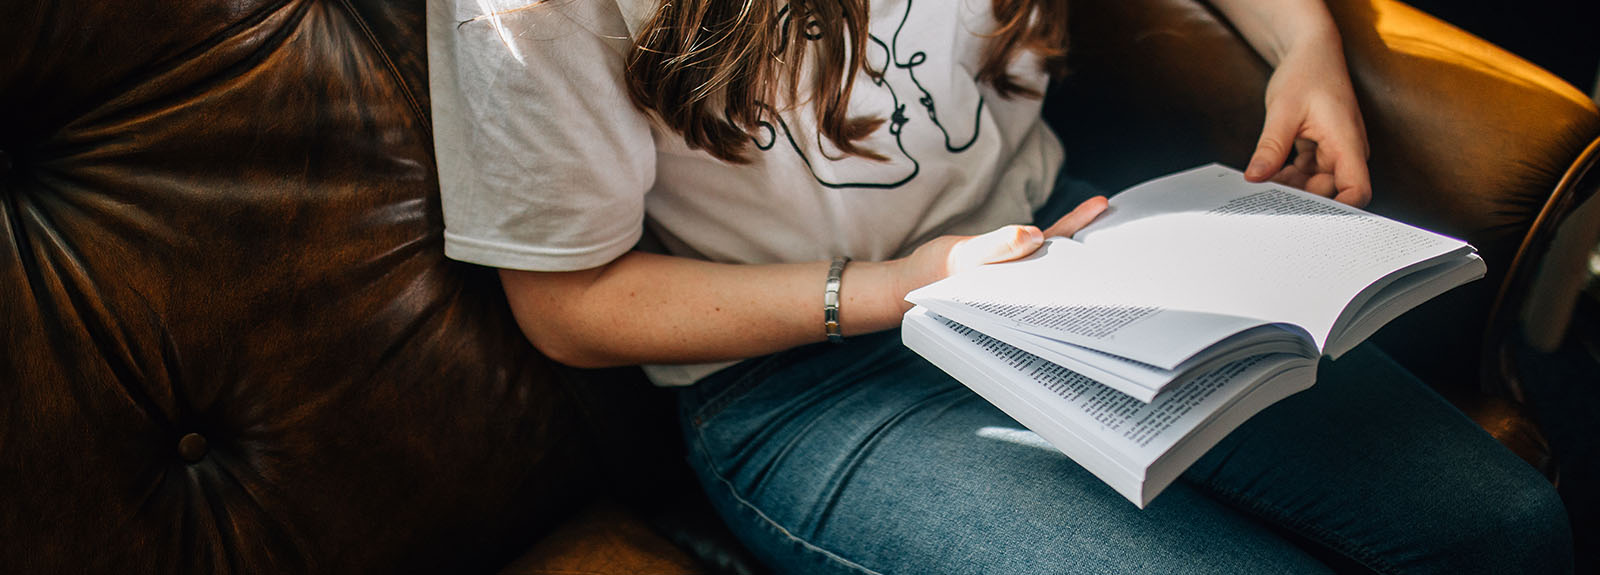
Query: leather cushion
{"x": 602, "y": 539}
{"x": 220, "y": 220}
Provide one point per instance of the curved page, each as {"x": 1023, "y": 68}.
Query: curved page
{"x": 1179, "y": 263}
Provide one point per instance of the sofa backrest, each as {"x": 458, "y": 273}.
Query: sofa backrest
{"x": 231, "y": 339}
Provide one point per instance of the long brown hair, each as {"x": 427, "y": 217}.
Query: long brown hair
{"x": 696, "y": 56}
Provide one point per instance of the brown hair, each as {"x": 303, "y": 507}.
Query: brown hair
{"x": 694, "y": 56}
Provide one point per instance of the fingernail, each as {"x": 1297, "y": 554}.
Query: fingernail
{"x": 1031, "y": 236}
{"x": 1256, "y": 169}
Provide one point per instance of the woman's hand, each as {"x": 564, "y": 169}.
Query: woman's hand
{"x": 1310, "y": 105}
{"x": 947, "y": 255}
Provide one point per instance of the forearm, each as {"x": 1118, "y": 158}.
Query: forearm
{"x": 1275, "y": 28}
{"x": 648, "y": 308}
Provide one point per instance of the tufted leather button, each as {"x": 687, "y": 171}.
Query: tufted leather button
{"x": 192, "y": 447}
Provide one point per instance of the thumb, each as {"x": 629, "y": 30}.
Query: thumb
{"x": 1078, "y": 218}
{"x": 1273, "y": 148}
{"x": 1005, "y": 244}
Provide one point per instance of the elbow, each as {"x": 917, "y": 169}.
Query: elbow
{"x": 560, "y": 342}
{"x": 565, "y": 351}
{"x": 536, "y": 304}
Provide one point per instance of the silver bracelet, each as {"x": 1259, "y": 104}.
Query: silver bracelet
{"x": 830, "y": 300}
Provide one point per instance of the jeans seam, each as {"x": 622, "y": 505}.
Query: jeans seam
{"x": 1306, "y": 528}
{"x": 730, "y": 393}
{"x": 715, "y": 474}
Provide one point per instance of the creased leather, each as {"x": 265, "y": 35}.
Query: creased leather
{"x": 222, "y": 218}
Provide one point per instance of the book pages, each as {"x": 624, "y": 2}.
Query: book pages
{"x": 1179, "y": 263}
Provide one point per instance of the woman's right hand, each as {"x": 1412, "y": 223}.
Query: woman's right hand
{"x": 946, "y": 255}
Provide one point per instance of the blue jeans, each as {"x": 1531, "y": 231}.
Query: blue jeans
{"x": 865, "y": 458}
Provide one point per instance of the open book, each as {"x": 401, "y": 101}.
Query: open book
{"x": 1193, "y": 302}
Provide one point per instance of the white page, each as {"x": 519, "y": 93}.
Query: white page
{"x": 1402, "y": 295}
{"x": 1069, "y": 293}
{"x": 1137, "y": 432}
{"x": 1142, "y": 380}
{"x": 953, "y": 354}
{"x": 1177, "y": 264}
{"x": 1295, "y": 376}
{"x": 1265, "y": 250}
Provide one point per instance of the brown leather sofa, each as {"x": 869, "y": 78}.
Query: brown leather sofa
{"x": 232, "y": 342}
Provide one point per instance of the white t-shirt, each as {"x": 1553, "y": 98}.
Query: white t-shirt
{"x": 545, "y": 164}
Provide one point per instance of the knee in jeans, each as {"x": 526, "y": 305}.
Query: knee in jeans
{"x": 1541, "y": 518}
{"x": 1516, "y": 526}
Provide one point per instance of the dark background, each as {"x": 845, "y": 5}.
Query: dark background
{"x": 1562, "y": 36}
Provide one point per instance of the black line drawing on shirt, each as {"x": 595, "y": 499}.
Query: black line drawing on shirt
{"x": 897, "y": 119}
{"x": 918, "y": 58}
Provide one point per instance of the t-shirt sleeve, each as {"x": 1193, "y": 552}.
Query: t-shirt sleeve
{"x": 544, "y": 162}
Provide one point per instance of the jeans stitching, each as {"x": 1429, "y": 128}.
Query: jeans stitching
{"x": 724, "y": 397}
{"x": 768, "y": 521}
{"x": 1306, "y": 528}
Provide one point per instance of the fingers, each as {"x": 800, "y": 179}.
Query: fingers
{"x": 1321, "y": 184}
{"x": 1351, "y": 181}
{"x": 1273, "y": 148}
{"x": 1293, "y": 176}
{"x": 1004, "y": 244}
{"x": 1012, "y": 242}
{"x": 1337, "y": 171}
{"x": 1078, "y": 218}
{"x": 1306, "y": 157}
{"x": 1327, "y": 185}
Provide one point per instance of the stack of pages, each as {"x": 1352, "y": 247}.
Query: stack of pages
{"x": 1195, "y": 301}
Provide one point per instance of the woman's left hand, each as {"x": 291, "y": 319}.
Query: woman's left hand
{"x": 1311, "y": 106}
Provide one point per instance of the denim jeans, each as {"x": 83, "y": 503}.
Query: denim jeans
{"x": 865, "y": 458}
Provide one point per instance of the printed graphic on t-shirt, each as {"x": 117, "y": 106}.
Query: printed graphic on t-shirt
{"x": 893, "y": 92}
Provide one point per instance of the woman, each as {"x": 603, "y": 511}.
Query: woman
{"x": 766, "y": 142}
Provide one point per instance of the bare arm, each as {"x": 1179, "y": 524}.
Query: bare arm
{"x": 647, "y": 308}
{"x": 1310, "y": 101}
{"x": 1277, "y": 27}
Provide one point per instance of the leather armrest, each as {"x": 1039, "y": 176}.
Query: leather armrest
{"x": 1466, "y": 139}
{"x": 603, "y": 539}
